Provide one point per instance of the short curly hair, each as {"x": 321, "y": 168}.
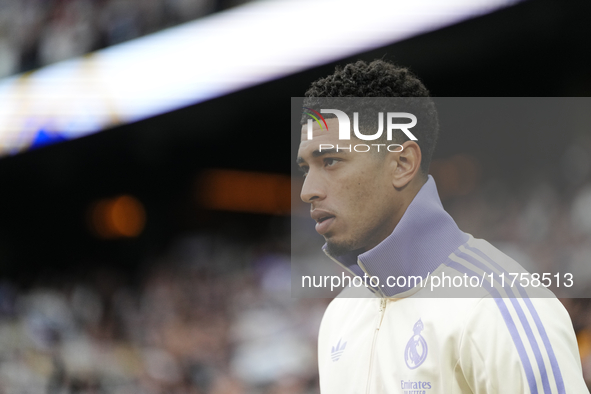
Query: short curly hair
{"x": 381, "y": 79}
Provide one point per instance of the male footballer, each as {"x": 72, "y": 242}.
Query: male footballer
{"x": 381, "y": 217}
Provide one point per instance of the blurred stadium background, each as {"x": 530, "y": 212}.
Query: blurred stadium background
{"x": 154, "y": 256}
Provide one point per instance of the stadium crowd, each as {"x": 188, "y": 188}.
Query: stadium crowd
{"x": 34, "y": 33}
{"x": 183, "y": 328}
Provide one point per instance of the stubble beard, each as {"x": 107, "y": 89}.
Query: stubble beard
{"x": 339, "y": 248}
{"x": 335, "y": 248}
{"x": 358, "y": 244}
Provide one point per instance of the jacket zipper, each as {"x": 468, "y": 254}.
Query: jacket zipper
{"x": 373, "y": 342}
{"x": 380, "y": 317}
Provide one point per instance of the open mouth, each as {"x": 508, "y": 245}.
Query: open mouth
{"x": 324, "y": 223}
{"x": 322, "y": 219}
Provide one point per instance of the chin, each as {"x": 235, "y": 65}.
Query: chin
{"x": 336, "y": 248}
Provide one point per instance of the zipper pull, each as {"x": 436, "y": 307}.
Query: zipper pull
{"x": 382, "y": 312}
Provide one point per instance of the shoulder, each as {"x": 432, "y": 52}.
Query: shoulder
{"x": 525, "y": 328}
{"x": 506, "y": 277}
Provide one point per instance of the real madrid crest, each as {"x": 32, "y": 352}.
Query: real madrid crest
{"x": 416, "y": 348}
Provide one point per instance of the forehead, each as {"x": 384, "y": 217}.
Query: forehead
{"x": 320, "y": 130}
{"x": 320, "y": 135}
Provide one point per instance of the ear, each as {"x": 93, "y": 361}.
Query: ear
{"x": 407, "y": 164}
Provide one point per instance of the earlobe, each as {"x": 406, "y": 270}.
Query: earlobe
{"x": 408, "y": 163}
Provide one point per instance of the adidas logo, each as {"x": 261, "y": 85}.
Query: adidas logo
{"x": 337, "y": 350}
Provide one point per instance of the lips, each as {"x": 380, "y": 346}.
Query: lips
{"x": 324, "y": 220}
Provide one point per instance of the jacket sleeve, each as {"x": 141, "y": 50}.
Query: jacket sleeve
{"x": 520, "y": 346}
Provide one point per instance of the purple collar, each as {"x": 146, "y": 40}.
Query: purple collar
{"x": 423, "y": 239}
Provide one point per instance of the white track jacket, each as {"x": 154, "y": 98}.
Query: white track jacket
{"x": 394, "y": 340}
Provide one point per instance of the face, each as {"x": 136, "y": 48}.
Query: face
{"x": 351, "y": 194}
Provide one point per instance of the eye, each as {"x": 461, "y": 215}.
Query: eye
{"x": 304, "y": 170}
{"x": 329, "y": 162}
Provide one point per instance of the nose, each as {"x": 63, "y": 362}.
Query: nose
{"x": 313, "y": 189}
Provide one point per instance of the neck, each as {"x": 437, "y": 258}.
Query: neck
{"x": 405, "y": 196}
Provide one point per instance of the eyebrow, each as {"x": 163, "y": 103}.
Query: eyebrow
{"x": 318, "y": 153}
